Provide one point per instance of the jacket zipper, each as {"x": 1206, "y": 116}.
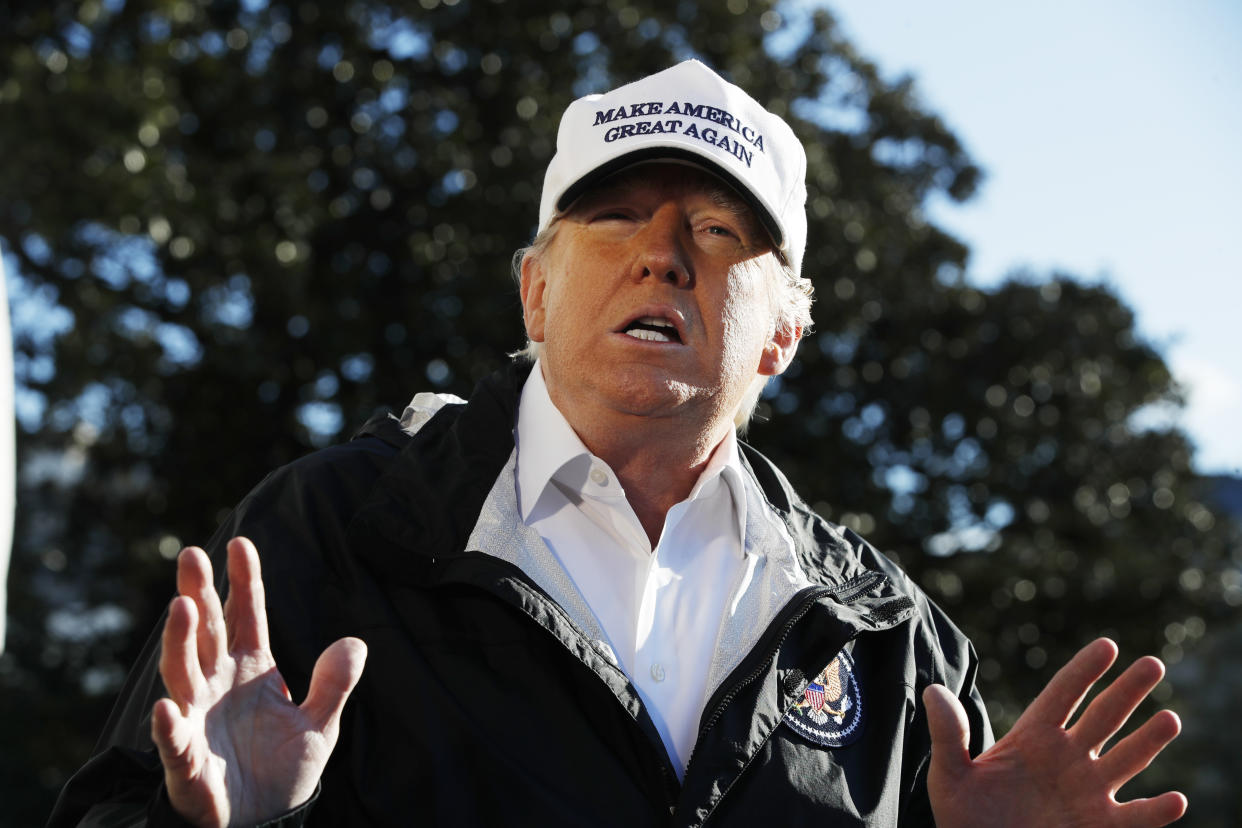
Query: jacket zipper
{"x": 668, "y": 776}
{"x": 845, "y": 593}
{"x": 799, "y": 610}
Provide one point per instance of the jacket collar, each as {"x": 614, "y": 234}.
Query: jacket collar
{"x": 427, "y": 502}
{"x": 424, "y": 505}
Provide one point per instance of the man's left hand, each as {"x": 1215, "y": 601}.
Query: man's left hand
{"x": 1046, "y": 771}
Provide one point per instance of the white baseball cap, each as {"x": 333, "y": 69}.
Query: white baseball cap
{"x": 685, "y": 113}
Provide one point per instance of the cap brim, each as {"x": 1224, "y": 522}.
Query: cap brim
{"x": 629, "y": 159}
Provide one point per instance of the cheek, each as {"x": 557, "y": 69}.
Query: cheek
{"x": 567, "y": 309}
{"x": 747, "y": 317}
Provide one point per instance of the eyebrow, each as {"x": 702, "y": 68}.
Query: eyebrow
{"x": 725, "y": 199}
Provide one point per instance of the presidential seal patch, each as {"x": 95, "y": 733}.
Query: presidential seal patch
{"x": 830, "y": 711}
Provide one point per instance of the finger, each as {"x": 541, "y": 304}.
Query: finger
{"x": 950, "y": 732}
{"x": 1058, "y": 701}
{"x": 245, "y": 613}
{"x": 1136, "y": 751}
{"x": 194, "y": 580}
{"x": 1153, "y": 813}
{"x": 335, "y": 675}
{"x": 179, "y": 667}
{"x": 1108, "y": 711}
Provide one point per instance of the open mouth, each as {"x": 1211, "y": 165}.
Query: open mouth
{"x": 652, "y": 329}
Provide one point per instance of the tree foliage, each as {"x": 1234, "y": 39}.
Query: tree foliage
{"x": 241, "y": 228}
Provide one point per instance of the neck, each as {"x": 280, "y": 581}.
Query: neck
{"x": 657, "y": 460}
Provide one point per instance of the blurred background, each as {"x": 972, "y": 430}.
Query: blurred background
{"x": 232, "y": 231}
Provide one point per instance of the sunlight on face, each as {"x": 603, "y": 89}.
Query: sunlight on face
{"x": 653, "y": 297}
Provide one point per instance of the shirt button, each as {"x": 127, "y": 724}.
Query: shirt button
{"x": 598, "y": 477}
{"x": 657, "y": 672}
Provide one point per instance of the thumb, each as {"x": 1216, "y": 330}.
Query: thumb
{"x": 336, "y": 672}
{"x": 171, "y": 736}
{"x": 950, "y": 732}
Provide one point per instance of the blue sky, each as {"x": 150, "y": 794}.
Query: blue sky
{"x": 1111, "y": 135}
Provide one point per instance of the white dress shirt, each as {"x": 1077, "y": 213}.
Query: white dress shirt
{"x": 660, "y": 609}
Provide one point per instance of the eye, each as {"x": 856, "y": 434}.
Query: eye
{"x": 611, "y": 212}
{"x": 720, "y": 231}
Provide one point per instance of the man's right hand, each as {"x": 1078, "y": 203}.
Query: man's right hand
{"x": 235, "y": 748}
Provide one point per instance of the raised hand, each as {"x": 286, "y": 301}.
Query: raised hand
{"x": 1044, "y": 772}
{"x": 235, "y": 748}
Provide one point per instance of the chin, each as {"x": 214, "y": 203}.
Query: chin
{"x": 658, "y": 395}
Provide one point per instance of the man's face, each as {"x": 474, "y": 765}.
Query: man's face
{"x": 652, "y": 299}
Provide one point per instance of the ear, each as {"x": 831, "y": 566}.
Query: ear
{"x": 532, "y": 290}
{"x": 779, "y": 351}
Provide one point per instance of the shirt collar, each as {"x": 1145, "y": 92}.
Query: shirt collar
{"x": 725, "y": 466}
{"x": 547, "y": 444}
{"x": 545, "y": 441}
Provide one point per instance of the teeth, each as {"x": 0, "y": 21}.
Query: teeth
{"x": 650, "y": 336}
{"x": 653, "y": 329}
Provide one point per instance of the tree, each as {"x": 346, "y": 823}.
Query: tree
{"x": 244, "y": 227}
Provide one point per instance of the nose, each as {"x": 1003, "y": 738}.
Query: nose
{"x": 663, "y": 253}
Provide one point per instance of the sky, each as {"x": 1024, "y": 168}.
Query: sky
{"x": 1110, "y": 134}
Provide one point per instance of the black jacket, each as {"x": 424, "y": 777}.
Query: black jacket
{"x": 482, "y": 702}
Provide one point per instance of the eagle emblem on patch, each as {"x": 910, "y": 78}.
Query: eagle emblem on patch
{"x": 830, "y": 711}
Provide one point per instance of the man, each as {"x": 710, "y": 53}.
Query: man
{"x": 583, "y": 601}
